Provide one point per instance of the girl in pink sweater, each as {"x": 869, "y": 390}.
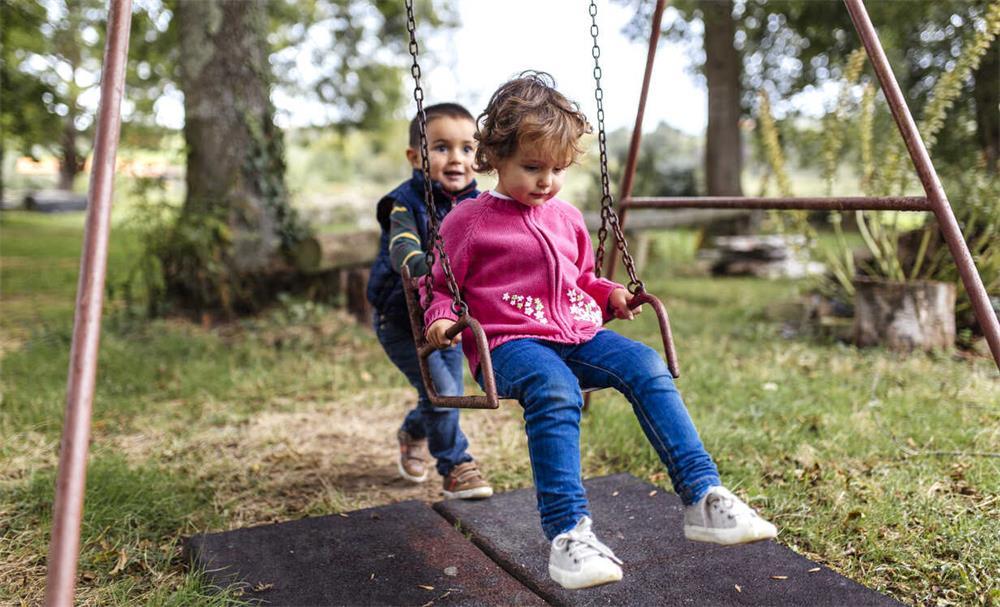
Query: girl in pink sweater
{"x": 524, "y": 263}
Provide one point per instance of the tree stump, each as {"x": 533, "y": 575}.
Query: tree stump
{"x": 908, "y": 316}
{"x": 357, "y": 302}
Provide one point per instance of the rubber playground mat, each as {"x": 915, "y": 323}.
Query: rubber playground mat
{"x": 643, "y": 525}
{"x": 408, "y": 554}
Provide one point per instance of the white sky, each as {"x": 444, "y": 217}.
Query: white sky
{"x": 498, "y": 40}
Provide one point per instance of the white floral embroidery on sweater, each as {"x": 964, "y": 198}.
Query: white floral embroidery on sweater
{"x": 531, "y": 306}
{"x": 582, "y": 307}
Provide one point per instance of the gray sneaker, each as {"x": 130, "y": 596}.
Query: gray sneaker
{"x": 579, "y": 560}
{"x": 722, "y": 518}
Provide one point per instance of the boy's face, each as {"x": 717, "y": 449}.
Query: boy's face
{"x": 452, "y": 148}
{"x": 530, "y": 176}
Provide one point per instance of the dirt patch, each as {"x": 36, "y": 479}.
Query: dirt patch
{"x": 324, "y": 457}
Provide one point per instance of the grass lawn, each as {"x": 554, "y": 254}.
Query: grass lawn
{"x": 880, "y": 466}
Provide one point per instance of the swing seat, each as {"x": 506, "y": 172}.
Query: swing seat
{"x": 490, "y": 400}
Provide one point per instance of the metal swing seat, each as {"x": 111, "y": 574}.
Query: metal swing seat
{"x": 435, "y": 248}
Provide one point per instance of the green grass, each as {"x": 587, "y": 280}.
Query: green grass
{"x": 869, "y": 462}
{"x": 39, "y": 267}
{"x": 857, "y": 456}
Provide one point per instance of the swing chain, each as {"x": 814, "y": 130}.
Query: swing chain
{"x": 608, "y": 214}
{"x": 434, "y": 237}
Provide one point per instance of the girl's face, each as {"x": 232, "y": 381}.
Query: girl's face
{"x": 530, "y": 176}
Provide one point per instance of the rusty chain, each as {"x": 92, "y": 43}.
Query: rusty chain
{"x": 434, "y": 237}
{"x": 608, "y": 214}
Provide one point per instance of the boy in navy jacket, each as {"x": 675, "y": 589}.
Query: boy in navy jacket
{"x": 403, "y": 216}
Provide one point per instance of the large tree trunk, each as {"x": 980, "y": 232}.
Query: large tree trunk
{"x": 987, "y": 97}
{"x": 723, "y": 151}
{"x": 71, "y": 164}
{"x": 222, "y": 254}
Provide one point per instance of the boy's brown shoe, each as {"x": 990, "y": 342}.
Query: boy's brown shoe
{"x": 412, "y": 457}
{"x": 466, "y": 482}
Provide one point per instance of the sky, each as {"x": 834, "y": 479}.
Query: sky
{"x": 494, "y": 43}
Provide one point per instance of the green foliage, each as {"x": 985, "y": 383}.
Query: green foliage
{"x": 894, "y": 252}
{"x": 788, "y": 45}
{"x": 52, "y": 54}
{"x": 656, "y": 173}
{"x": 265, "y": 164}
{"x": 23, "y": 119}
{"x": 358, "y": 86}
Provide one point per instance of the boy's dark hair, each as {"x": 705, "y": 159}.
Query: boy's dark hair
{"x": 451, "y": 110}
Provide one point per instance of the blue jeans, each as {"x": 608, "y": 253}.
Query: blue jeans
{"x": 546, "y": 378}
{"x": 438, "y": 425}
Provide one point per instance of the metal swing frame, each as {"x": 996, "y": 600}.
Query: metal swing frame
{"x": 71, "y": 477}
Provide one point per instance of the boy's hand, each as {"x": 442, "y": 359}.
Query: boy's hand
{"x": 619, "y": 300}
{"x": 436, "y": 336}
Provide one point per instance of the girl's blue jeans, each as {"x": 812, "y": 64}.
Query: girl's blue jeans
{"x": 546, "y": 378}
{"x": 445, "y": 440}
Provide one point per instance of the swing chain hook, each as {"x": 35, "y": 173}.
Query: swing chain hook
{"x": 608, "y": 214}
{"x": 435, "y": 241}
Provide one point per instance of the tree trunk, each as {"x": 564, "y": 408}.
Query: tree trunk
{"x": 723, "y": 64}
{"x": 904, "y": 316}
{"x": 987, "y": 97}
{"x": 71, "y": 164}
{"x": 236, "y": 217}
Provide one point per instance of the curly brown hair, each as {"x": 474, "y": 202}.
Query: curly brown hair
{"x": 528, "y": 110}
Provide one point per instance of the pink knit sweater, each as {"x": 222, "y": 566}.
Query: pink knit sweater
{"x": 523, "y": 271}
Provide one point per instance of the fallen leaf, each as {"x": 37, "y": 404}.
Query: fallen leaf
{"x": 425, "y": 587}
{"x": 122, "y": 561}
{"x": 814, "y": 570}
{"x": 779, "y": 577}
{"x": 738, "y": 589}
{"x": 652, "y": 493}
{"x": 261, "y": 587}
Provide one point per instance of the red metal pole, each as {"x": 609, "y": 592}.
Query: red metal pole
{"x": 68, "y": 508}
{"x": 832, "y": 203}
{"x": 633, "y": 150}
{"x": 928, "y": 178}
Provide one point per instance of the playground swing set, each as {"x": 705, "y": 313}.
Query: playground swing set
{"x": 70, "y": 481}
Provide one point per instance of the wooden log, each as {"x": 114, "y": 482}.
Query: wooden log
{"x": 909, "y": 316}
{"x": 54, "y": 201}
{"x": 324, "y": 252}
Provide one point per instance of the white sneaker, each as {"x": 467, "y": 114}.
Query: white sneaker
{"x": 723, "y": 518}
{"x": 579, "y": 560}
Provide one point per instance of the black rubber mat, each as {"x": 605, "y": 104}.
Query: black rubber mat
{"x": 401, "y": 554}
{"x": 643, "y": 525}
